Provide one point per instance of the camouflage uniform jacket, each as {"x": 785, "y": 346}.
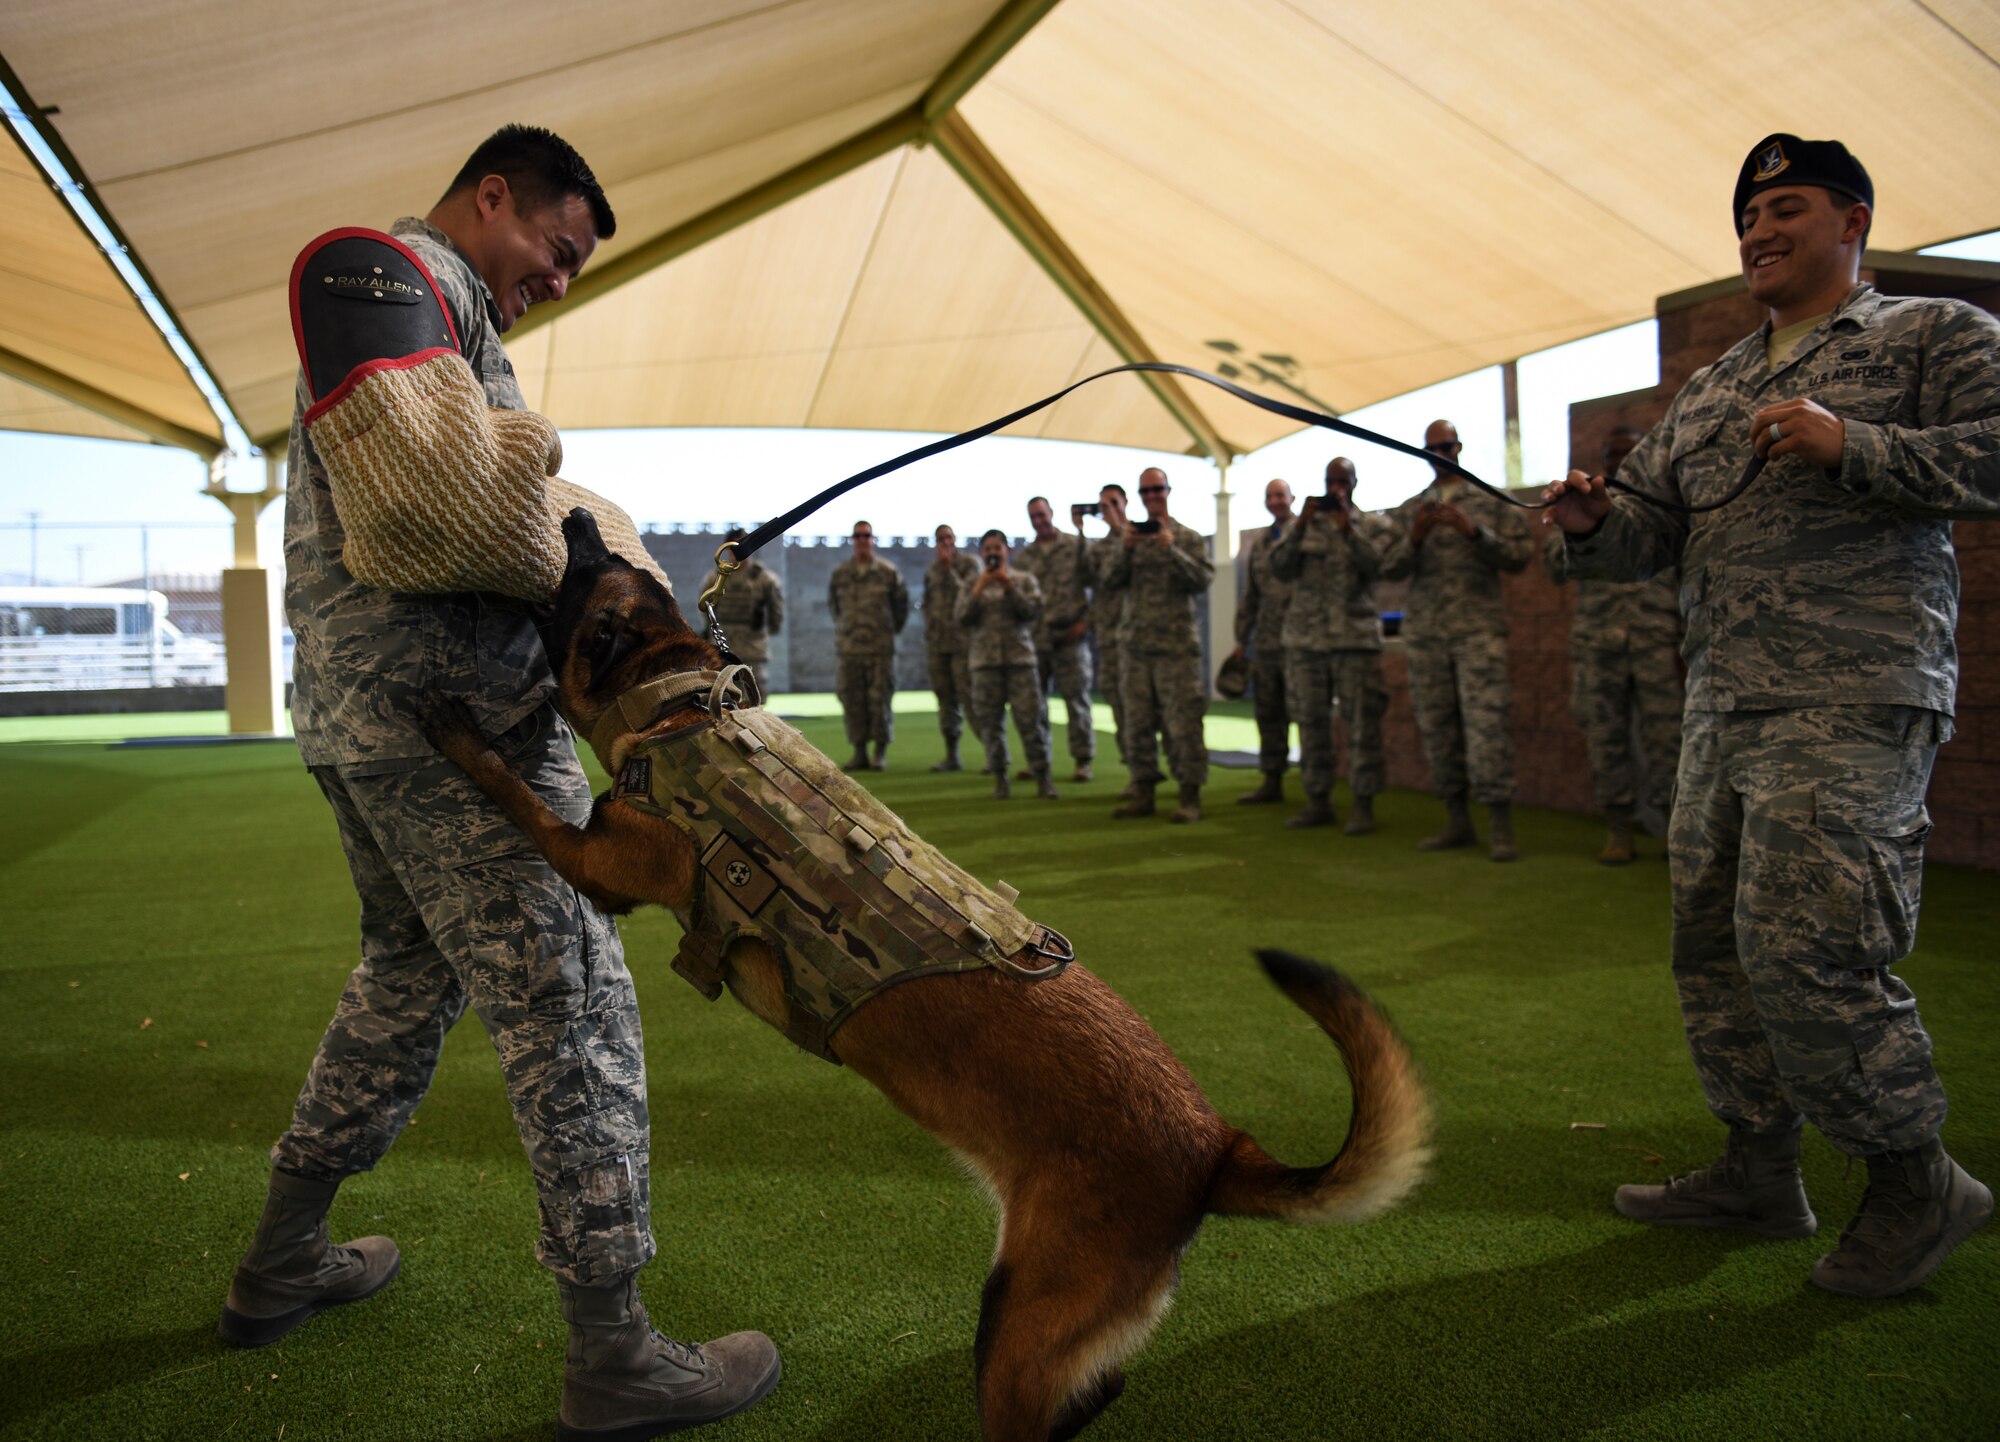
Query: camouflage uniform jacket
{"x": 870, "y": 605}
{"x": 1062, "y": 568}
{"x": 791, "y": 851}
{"x": 751, "y": 609}
{"x": 1267, "y": 597}
{"x": 365, "y": 655}
{"x": 944, "y": 587}
{"x": 1333, "y": 577}
{"x": 1454, "y": 579}
{"x": 999, "y": 622}
{"x": 1160, "y": 585}
{"x": 1619, "y": 615}
{"x": 1816, "y": 587}
{"x": 1107, "y": 612}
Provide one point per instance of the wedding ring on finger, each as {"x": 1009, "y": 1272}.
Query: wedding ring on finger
{"x": 1776, "y": 434}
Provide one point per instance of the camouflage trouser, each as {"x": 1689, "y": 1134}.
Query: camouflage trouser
{"x": 1605, "y": 685}
{"x": 1797, "y": 848}
{"x": 1461, "y": 693}
{"x": 1164, "y": 695}
{"x": 1111, "y": 681}
{"x": 1315, "y": 681}
{"x": 458, "y": 909}
{"x": 866, "y": 685}
{"x": 994, "y": 688}
{"x": 1065, "y": 672}
{"x": 951, "y": 680}
{"x": 1274, "y": 717}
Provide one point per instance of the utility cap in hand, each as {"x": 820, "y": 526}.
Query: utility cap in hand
{"x": 1232, "y": 681}
{"x": 1787, "y": 160}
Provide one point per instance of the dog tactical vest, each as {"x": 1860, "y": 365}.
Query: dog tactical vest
{"x": 791, "y": 851}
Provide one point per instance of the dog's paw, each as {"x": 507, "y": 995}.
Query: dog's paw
{"x": 449, "y": 725}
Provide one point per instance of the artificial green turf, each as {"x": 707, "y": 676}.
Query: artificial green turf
{"x": 202, "y": 889}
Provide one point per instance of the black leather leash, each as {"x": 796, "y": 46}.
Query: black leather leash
{"x": 772, "y": 529}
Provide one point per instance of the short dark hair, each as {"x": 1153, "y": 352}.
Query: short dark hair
{"x": 541, "y": 168}
{"x": 1114, "y": 486}
{"x": 1031, "y": 500}
{"x": 990, "y": 534}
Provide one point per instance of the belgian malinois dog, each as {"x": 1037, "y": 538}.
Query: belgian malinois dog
{"x": 1093, "y": 1139}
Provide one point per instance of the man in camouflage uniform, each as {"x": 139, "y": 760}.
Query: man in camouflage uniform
{"x": 1160, "y": 573}
{"x": 1107, "y": 612}
{"x": 751, "y": 609}
{"x": 458, "y": 910}
{"x": 1820, "y": 609}
{"x": 945, "y": 580}
{"x": 1624, "y": 643}
{"x": 1060, "y": 565}
{"x": 1331, "y": 556}
{"x": 1260, "y": 627}
{"x": 1454, "y": 541}
{"x": 870, "y": 603}
{"x": 999, "y": 611}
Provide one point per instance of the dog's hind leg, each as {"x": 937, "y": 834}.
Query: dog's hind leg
{"x": 1059, "y": 1313}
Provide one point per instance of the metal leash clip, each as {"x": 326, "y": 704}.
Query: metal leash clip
{"x": 723, "y": 571}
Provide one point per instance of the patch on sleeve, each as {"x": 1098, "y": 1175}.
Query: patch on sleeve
{"x": 635, "y": 780}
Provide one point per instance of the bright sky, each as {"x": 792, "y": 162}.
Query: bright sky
{"x": 88, "y": 498}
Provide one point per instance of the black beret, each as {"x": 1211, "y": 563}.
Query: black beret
{"x": 1787, "y": 160}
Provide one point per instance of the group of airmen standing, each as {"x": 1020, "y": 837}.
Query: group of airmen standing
{"x": 1009, "y": 632}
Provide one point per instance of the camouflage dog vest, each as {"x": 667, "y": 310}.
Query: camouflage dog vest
{"x": 790, "y": 850}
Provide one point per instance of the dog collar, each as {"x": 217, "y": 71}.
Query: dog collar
{"x": 648, "y": 703}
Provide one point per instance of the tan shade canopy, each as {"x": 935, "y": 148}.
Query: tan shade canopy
{"x": 1382, "y": 195}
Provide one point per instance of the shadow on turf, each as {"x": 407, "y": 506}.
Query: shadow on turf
{"x": 1545, "y": 1350}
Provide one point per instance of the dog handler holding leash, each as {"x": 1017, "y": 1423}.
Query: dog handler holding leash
{"x": 458, "y": 909}
{"x": 1820, "y": 610}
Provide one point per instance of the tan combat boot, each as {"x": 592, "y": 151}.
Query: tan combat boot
{"x": 291, "y": 1272}
{"x": 1457, "y": 827}
{"x": 858, "y": 761}
{"x": 951, "y": 761}
{"x": 1271, "y": 789}
{"x": 1754, "y": 1186}
{"x": 1082, "y": 772}
{"x": 1045, "y": 787}
{"x": 1500, "y": 845}
{"x": 1189, "y": 809}
{"x": 1617, "y": 838}
{"x": 1318, "y": 812}
{"x": 1361, "y": 819}
{"x": 1139, "y": 803}
{"x": 1918, "y": 1206}
{"x": 623, "y": 1381}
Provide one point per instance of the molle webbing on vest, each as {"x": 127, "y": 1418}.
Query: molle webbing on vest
{"x": 792, "y": 851}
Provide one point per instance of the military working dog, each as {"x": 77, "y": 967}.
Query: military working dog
{"x": 1097, "y": 1145}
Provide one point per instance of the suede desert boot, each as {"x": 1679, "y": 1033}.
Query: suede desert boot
{"x": 1271, "y": 789}
{"x": 1918, "y": 1206}
{"x": 1002, "y": 787}
{"x": 1754, "y": 1186}
{"x": 858, "y": 761}
{"x": 1139, "y": 803}
{"x": 951, "y": 761}
{"x": 1457, "y": 827}
{"x": 1500, "y": 843}
{"x": 1189, "y": 809}
{"x": 1318, "y": 812}
{"x": 1361, "y": 817}
{"x": 881, "y": 761}
{"x": 290, "y": 1272}
{"x": 1045, "y": 786}
{"x": 623, "y": 1381}
{"x": 1082, "y": 772}
{"x": 1617, "y": 838}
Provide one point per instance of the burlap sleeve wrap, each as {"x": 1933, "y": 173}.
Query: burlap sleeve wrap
{"x": 438, "y": 491}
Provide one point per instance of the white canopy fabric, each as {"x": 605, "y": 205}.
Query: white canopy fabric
{"x": 1385, "y": 194}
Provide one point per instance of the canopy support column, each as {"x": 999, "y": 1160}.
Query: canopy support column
{"x": 254, "y": 691}
{"x": 1222, "y": 588}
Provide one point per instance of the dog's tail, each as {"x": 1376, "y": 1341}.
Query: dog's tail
{"x": 1386, "y": 1149}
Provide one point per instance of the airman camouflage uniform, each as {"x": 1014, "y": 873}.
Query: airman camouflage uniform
{"x": 1107, "y": 615}
{"x": 1624, "y": 640}
{"x": 1062, "y": 568}
{"x": 1455, "y": 637}
{"x": 999, "y": 625}
{"x": 945, "y": 642}
{"x": 870, "y": 605}
{"x": 457, "y": 907}
{"x": 752, "y": 611}
{"x": 1160, "y": 651}
{"x": 1260, "y": 627}
{"x": 1820, "y": 610}
{"x": 1333, "y": 645}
